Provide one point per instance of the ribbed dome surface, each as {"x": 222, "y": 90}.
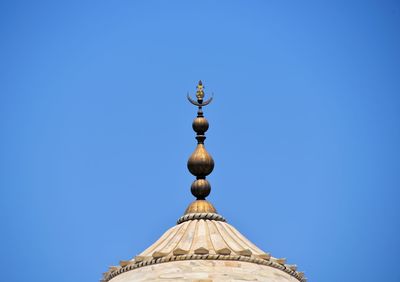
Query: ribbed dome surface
{"x": 206, "y": 237}
{"x": 202, "y": 237}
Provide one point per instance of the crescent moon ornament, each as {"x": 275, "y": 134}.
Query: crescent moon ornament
{"x": 205, "y": 103}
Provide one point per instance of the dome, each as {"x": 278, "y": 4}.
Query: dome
{"x": 202, "y": 246}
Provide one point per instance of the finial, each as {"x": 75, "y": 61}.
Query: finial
{"x": 200, "y": 91}
{"x": 200, "y": 96}
{"x": 200, "y": 163}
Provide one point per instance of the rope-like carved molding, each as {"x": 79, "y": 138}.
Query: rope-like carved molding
{"x": 286, "y": 268}
{"x": 197, "y": 216}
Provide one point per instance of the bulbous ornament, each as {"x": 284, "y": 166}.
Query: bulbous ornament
{"x": 200, "y": 125}
{"x": 200, "y": 188}
{"x": 200, "y": 163}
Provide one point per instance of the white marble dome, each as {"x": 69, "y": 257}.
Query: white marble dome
{"x": 203, "y": 247}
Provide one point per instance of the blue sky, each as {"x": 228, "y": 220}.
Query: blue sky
{"x": 96, "y": 131}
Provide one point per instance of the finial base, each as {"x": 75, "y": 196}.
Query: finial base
{"x": 200, "y": 206}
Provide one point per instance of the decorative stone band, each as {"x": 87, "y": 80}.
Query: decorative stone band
{"x": 131, "y": 265}
{"x": 197, "y": 216}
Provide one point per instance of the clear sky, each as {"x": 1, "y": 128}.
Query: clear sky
{"x": 96, "y": 131}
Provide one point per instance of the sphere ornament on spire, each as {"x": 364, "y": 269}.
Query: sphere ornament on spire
{"x": 200, "y": 188}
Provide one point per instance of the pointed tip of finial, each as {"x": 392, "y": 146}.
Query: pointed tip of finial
{"x": 200, "y": 96}
{"x": 200, "y": 92}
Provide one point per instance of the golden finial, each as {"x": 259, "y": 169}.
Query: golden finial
{"x": 200, "y": 91}
{"x": 200, "y": 96}
{"x": 200, "y": 163}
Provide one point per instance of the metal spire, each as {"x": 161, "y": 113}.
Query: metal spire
{"x": 200, "y": 163}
